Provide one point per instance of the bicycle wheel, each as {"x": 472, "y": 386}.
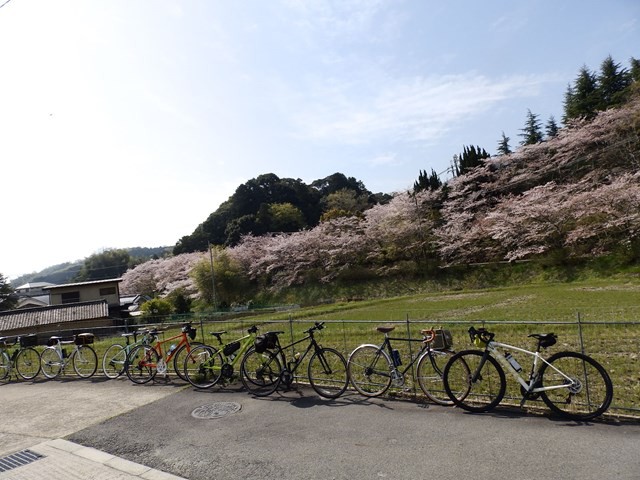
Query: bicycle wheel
{"x": 5, "y": 365}
{"x": 588, "y": 391}
{"x": 485, "y": 392}
{"x": 28, "y": 363}
{"x": 142, "y": 363}
{"x": 369, "y": 370}
{"x": 180, "y": 357}
{"x": 85, "y": 361}
{"x": 328, "y": 373}
{"x": 261, "y": 373}
{"x": 51, "y": 362}
{"x": 429, "y": 372}
{"x": 203, "y": 366}
{"x": 113, "y": 361}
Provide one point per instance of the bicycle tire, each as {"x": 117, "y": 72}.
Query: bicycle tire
{"x": 588, "y": 396}
{"x": 85, "y": 361}
{"x": 429, "y": 373}
{"x": 202, "y": 367}
{"x": 327, "y": 372}
{"x": 51, "y": 362}
{"x": 369, "y": 370}
{"x": 180, "y": 357}
{"x": 261, "y": 373}
{"x": 486, "y": 392}
{"x": 142, "y": 364}
{"x": 5, "y": 365}
{"x": 114, "y": 361}
{"x": 28, "y": 363}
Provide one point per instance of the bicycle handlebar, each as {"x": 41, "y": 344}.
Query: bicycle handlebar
{"x": 482, "y": 334}
{"x": 317, "y": 326}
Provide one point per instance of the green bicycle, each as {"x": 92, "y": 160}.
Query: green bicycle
{"x": 205, "y": 365}
{"x": 114, "y": 360}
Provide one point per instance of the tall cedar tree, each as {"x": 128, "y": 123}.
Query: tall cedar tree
{"x": 427, "y": 182}
{"x": 612, "y": 82}
{"x": 503, "y": 145}
{"x": 581, "y": 100}
{"x": 470, "y": 158}
{"x": 551, "y": 128}
{"x": 532, "y": 132}
{"x": 8, "y": 298}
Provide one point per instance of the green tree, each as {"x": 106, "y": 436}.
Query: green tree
{"x": 180, "y": 301}
{"x": 283, "y": 217}
{"x": 532, "y": 131}
{"x": 503, "y": 145}
{"x": 612, "y": 83}
{"x": 157, "y": 307}
{"x": 551, "y": 128}
{"x": 107, "y": 264}
{"x": 470, "y": 158}
{"x": 231, "y": 283}
{"x": 427, "y": 182}
{"x": 634, "y": 73}
{"x": 8, "y": 297}
{"x": 582, "y": 99}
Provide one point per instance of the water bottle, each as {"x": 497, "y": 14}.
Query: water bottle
{"x": 396, "y": 358}
{"x": 512, "y": 361}
{"x": 172, "y": 348}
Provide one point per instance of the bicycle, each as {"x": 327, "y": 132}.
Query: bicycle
{"x": 146, "y": 360}
{"x": 206, "y": 365}
{"x": 265, "y": 366}
{"x": 54, "y": 359}
{"x": 25, "y": 359}
{"x": 571, "y": 384}
{"x": 114, "y": 360}
{"x": 374, "y": 368}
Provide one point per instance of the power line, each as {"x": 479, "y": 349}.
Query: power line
{"x": 4, "y": 3}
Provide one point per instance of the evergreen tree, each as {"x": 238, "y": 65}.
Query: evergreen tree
{"x": 612, "y": 82}
{"x": 8, "y": 298}
{"x": 470, "y": 158}
{"x": 427, "y": 182}
{"x": 503, "y": 145}
{"x": 634, "y": 73}
{"x": 551, "y": 127}
{"x": 532, "y": 131}
{"x": 581, "y": 99}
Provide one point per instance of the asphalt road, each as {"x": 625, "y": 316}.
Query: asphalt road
{"x": 297, "y": 435}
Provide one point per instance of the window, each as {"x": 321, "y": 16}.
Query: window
{"x": 70, "y": 297}
{"x": 107, "y": 291}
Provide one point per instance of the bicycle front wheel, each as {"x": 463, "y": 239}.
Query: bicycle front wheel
{"x": 483, "y": 379}
{"x": 429, "y": 372}
{"x": 180, "y": 359}
{"x": 85, "y": 361}
{"x": 586, "y": 390}
{"x": 5, "y": 365}
{"x": 113, "y": 361}
{"x": 369, "y": 369}
{"x": 203, "y": 366}
{"x": 28, "y": 363}
{"x": 142, "y": 364}
{"x": 328, "y": 373}
{"x": 51, "y": 362}
{"x": 261, "y": 373}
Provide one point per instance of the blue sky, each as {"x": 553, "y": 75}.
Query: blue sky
{"x": 127, "y": 123}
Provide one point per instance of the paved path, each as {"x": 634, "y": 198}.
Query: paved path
{"x": 79, "y": 425}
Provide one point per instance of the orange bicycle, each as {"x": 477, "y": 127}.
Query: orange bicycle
{"x": 146, "y": 360}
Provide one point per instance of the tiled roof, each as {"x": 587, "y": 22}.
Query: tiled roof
{"x": 31, "y": 317}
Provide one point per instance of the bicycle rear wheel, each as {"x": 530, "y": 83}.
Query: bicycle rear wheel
{"x": 85, "y": 361}
{"x": 261, "y": 373}
{"x": 28, "y": 363}
{"x": 588, "y": 393}
{"x": 142, "y": 363}
{"x": 484, "y": 381}
{"x": 5, "y": 365}
{"x": 51, "y": 362}
{"x": 203, "y": 366}
{"x": 328, "y": 373}
{"x": 369, "y": 369}
{"x": 429, "y": 372}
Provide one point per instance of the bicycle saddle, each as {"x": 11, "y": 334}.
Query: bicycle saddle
{"x": 386, "y": 329}
{"x": 545, "y": 339}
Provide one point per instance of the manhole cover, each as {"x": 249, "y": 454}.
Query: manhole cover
{"x": 216, "y": 410}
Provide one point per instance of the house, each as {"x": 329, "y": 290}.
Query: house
{"x": 107, "y": 290}
{"x": 31, "y": 295}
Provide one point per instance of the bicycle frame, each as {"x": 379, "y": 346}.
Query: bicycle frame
{"x": 492, "y": 348}
{"x": 245, "y": 342}
{"x": 158, "y": 348}
{"x": 65, "y": 358}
